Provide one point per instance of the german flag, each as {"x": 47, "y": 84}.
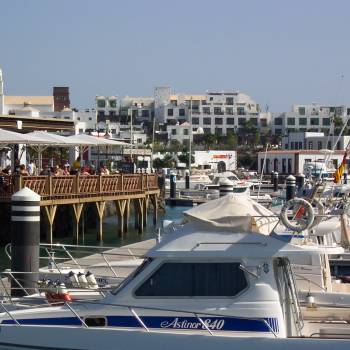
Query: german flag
{"x": 339, "y": 172}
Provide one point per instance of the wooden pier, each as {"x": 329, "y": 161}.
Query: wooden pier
{"x": 141, "y": 190}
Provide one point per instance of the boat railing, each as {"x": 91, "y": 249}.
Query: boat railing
{"x": 66, "y": 255}
{"x": 6, "y": 289}
{"x": 132, "y": 309}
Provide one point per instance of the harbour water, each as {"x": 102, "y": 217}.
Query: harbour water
{"x": 110, "y": 233}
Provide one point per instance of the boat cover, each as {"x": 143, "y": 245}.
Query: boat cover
{"x": 238, "y": 212}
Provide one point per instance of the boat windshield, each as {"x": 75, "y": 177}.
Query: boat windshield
{"x": 126, "y": 281}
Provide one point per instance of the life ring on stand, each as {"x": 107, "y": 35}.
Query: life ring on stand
{"x": 302, "y": 212}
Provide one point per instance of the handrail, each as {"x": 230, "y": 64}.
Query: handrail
{"x": 83, "y": 185}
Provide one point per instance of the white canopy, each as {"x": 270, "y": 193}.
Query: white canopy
{"x": 54, "y": 139}
{"x": 10, "y": 138}
{"x": 95, "y": 141}
{"x": 236, "y": 212}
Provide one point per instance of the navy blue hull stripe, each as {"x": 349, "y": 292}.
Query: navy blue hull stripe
{"x": 167, "y": 322}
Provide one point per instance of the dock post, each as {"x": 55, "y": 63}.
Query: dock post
{"x": 187, "y": 180}
{"x": 275, "y": 181}
{"x": 145, "y": 210}
{"x": 172, "y": 186}
{"x": 126, "y": 216}
{"x": 225, "y": 186}
{"x": 50, "y": 213}
{"x": 100, "y": 206}
{"x": 77, "y": 213}
{"x": 300, "y": 181}
{"x": 140, "y": 215}
{"x": 120, "y": 206}
{"x": 290, "y": 187}
{"x": 155, "y": 209}
{"x": 25, "y": 240}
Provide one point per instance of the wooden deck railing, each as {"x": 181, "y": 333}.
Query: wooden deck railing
{"x": 78, "y": 185}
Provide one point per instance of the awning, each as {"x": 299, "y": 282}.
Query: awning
{"x": 54, "y": 139}
{"x": 11, "y": 138}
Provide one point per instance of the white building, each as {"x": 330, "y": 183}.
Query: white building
{"x": 221, "y": 113}
{"x": 293, "y": 161}
{"x": 210, "y": 159}
{"x": 314, "y": 141}
{"x": 311, "y": 117}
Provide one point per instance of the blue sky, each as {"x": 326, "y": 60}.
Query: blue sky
{"x": 279, "y": 52}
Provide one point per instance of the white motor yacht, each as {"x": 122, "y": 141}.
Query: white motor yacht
{"x": 206, "y": 285}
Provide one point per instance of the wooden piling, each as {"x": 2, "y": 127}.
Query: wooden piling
{"x": 100, "y": 206}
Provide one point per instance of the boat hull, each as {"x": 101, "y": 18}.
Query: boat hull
{"x": 79, "y": 338}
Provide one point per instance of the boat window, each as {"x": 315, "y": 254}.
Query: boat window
{"x": 95, "y": 321}
{"x": 194, "y": 280}
{"x": 126, "y": 281}
{"x": 239, "y": 189}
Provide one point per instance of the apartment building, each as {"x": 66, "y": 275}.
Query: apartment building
{"x": 313, "y": 117}
{"x": 314, "y": 141}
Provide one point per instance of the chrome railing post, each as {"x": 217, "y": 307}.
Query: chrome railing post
{"x": 8, "y": 313}
{"x": 138, "y": 318}
{"x": 109, "y": 265}
{"x": 76, "y": 314}
{"x": 203, "y": 324}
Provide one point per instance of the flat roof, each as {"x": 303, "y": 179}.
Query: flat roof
{"x": 34, "y": 100}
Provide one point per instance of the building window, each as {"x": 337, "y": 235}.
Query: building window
{"x": 218, "y": 121}
{"x": 170, "y": 112}
{"x": 319, "y": 144}
{"x": 101, "y": 103}
{"x": 206, "y": 110}
{"x": 186, "y": 131}
{"x": 301, "y": 110}
{"x": 145, "y": 113}
{"x": 218, "y": 131}
{"x": 207, "y": 131}
{"x": 207, "y": 121}
{"x": 254, "y": 121}
{"x": 217, "y": 110}
{"x": 195, "y": 121}
{"x": 194, "y": 280}
{"x": 230, "y": 131}
{"x": 263, "y": 123}
{"x": 278, "y": 121}
{"x": 291, "y": 121}
{"x": 326, "y": 121}
{"x": 229, "y": 101}
{"x": 241, "y": 121}
{"x": 173, "y": 131}
{"x": 113, "y": 103}
{"x": 181, "y": 112}
{"x": 240, "y": 111}
{"x": 229, "y": 111}
{"x": 311, "y": 145}
{"x": 314, "y": 121}
{"x": 302, "y": 121}
{"x": 230, "y": 121}
{"x": 284, "y": 165}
